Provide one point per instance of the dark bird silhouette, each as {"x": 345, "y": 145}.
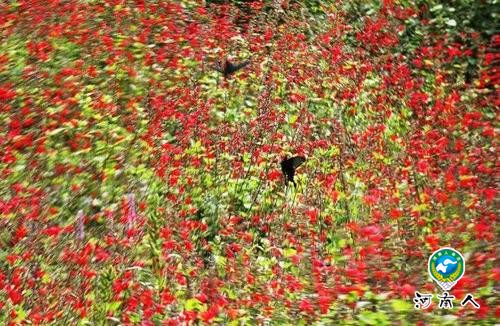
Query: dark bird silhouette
{"x": 288, "y": 167}
{"x": 228, "y": 68}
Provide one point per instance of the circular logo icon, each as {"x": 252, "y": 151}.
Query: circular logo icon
{"x": 446, "y": 267}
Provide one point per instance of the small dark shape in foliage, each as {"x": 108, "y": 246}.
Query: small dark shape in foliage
{"x": 228, "y": 68}
{"x": 288, "y": 167}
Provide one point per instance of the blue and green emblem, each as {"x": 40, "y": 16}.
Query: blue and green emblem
{"x": 446, "y": 267}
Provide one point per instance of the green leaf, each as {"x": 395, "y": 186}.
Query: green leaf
{"x": 400, "y": 305}
{"x": 194, "y": 304}
{"x": 135, "y": 318}
{"x": 21, "y": 315}
{"x": 289, "y": 252}
{"x": 373, "y": 318}
{"x": 220, "y": 261}
{"x": 437, "y": 7}
{"x": 113, "y": 306}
